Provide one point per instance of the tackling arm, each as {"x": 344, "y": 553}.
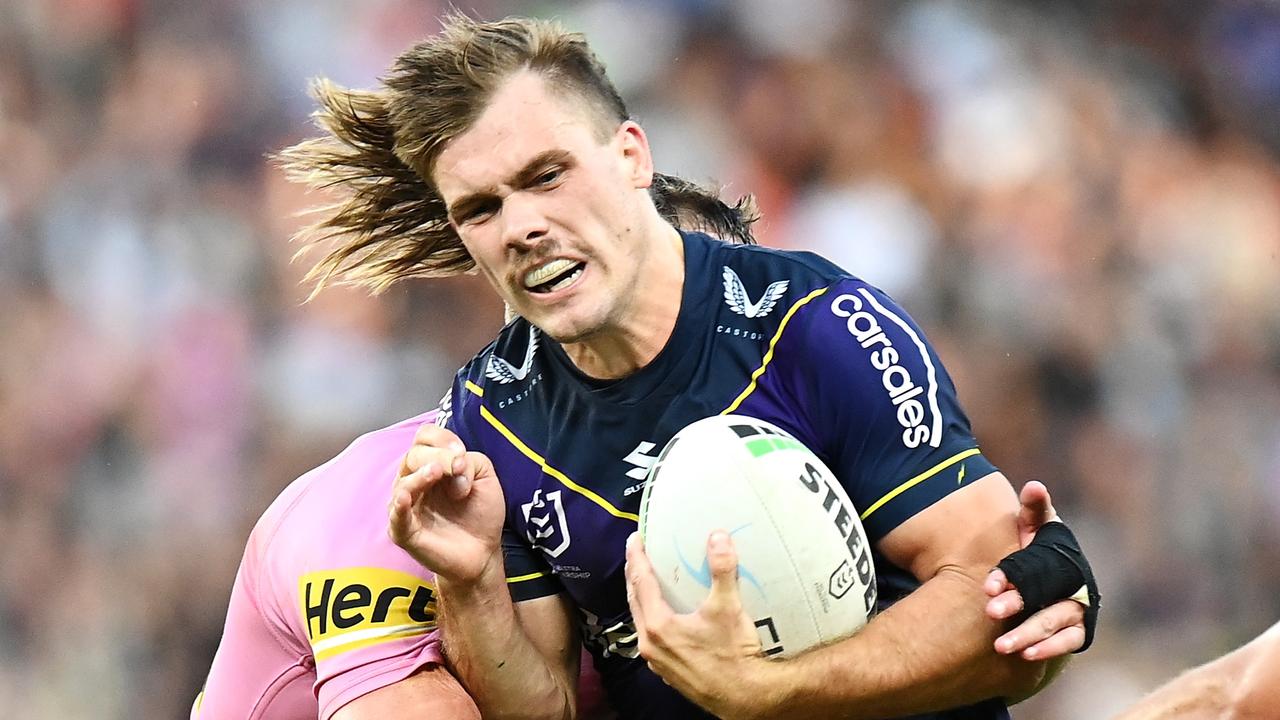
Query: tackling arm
{"x": 1241, "y": 685}
{"x": 429, "y": 693}
{"x": 446, "y": 511}
{"x": 519, "y": 660}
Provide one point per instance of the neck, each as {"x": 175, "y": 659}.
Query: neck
{"x": 647, "y": 323}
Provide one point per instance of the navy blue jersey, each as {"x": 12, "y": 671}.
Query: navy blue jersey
{"x": 786, "y": 337}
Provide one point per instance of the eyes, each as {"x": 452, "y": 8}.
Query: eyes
{"x": 480, "y": 211}
{"x": 483, "y": 209}
{"x": 549, "y": 177}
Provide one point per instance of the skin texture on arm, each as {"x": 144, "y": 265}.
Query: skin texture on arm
{"x": 1242, "y": 685}
{"x": 447, "y": 511}
{"x": 521, "y": 658}
{"x": 429, "y": 693}
{"x": 931, "y": 650}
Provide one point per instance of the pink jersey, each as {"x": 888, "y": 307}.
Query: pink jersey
{"x": 325, "y": 608}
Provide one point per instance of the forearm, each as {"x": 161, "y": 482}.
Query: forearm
{"x": 930, "y": 651}
{"x": 1243, "y": 684}
{"x": 492, "y": 655}
{"x": 1200, "y": 694}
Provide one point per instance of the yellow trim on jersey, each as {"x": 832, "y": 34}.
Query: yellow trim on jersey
{"x": 542, "y": 462}
{"x": 919, "y": 479}
{"x": 479, "y": 391}
{"x": 195, "y": 706}
{"x": 768, "y": 356}
{"x": 346, "y": 644}
{"x": 530, "y": 576}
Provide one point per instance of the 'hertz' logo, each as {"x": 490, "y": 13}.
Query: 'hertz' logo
{"x": 351, "y": 608}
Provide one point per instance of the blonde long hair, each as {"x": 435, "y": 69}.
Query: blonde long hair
{"x": 378, "y": 149}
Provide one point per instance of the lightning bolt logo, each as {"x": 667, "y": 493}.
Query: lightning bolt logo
{"x": 960, "y": 477}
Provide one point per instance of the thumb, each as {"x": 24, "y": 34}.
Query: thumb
{"x": 722, "y": 559}
{"x": 1037, "y": 506}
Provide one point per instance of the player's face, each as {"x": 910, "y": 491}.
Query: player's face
{"x": 550, "y": 212}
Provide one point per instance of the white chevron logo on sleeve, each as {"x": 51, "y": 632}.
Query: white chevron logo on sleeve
{"x": 501, "y": 371}
{"x": 738, "y": 300}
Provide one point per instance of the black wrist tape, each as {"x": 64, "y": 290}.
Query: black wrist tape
{"x": 1053, "y": 568}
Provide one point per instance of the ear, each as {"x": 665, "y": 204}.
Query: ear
{"x": 633, "y": 148}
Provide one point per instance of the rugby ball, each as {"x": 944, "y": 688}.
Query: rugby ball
{"x": 804, "y": 565}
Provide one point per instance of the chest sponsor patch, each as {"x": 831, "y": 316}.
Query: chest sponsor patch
{"x": 914, "y": 397}
{"x": 349, "y": 608}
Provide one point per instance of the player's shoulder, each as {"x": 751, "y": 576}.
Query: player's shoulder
{"x": 348, "y": 491}
{"x": 801, "y": 269}
{"x": 511, "y": 357}
{"x": 328, "y": 529}
{"x": 773, "y": 285}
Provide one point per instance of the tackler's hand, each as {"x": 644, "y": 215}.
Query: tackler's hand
{"x": 446, "y": 507}
{"x": 709, "y": 655}
{"x": 1047, "y": 585}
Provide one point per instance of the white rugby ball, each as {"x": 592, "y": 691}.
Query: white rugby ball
{"x": 804, "y": 565}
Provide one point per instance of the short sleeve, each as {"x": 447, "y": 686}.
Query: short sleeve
{"x": 528, "y": 575}
{"x": 364, "y": 607}
{"x": 875, "y": 395}
{"x": 369, "y": 627}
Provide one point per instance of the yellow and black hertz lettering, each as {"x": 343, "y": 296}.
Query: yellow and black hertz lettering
{"x": 349, "y": 608}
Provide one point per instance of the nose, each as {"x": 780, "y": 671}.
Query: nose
{"x": 523, "y": 223}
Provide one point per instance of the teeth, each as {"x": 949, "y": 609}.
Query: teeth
{"x": 543, "y": 273}
{"x": 564, "y": 282}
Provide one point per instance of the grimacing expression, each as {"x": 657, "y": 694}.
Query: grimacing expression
{"x": 548, "y": 208}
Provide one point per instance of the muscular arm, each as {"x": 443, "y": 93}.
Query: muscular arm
{"x": 429, "y": 693}
{"x": 931, "y": 650}
{"x": 518, "y": 660}
{"x": 1241, "y": 685}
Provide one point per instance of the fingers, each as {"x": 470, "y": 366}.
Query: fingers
{"x": 722, "y": 559}
{"x": 1063, "y": 642}
{"x": 418, "y": 457}
{"x": 466, "y": 471}
{"x": 436, "y": 436}
{"x": 1005, "y": 605}
{"x": 1042, "y": 626}
{"x": 643, "y": 594}
{"x": 995, "y": 583}
{"x": 432, "y": 443}
{"x": 406, "y": 494}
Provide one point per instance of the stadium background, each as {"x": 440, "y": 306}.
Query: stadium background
{"x": 1081, "y": 206}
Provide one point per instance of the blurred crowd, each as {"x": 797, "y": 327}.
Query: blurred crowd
{"x": 1081, "y": 206}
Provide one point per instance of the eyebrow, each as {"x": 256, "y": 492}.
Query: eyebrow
{"x": 522, "y": 178}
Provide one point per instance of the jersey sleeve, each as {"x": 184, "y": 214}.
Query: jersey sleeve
{"x": 881, "y": 406}
{"x": 364, "y": 609}
{"x": 258, "y": 668}
{"x": 528, "y": 574}
{"x": 369, "y": 627}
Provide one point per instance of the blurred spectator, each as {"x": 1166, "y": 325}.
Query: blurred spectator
{"x": 1082, "y": 206}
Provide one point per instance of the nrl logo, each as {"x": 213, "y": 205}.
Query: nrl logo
{"x": 735, "y": 294}
{"x": 546, "y": 526}
{"x": 501, "y": 371}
